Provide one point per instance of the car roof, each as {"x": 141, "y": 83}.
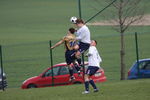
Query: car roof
{"x": 64, "y": 64}
{"x": 147, "y": 59}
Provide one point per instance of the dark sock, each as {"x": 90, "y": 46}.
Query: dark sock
{"x": 79, "y": 61}
{"x": 93, "y": 84}
{"x": 86, "y": 85}
{"x": 77, "y": 67}
{"x": 71, "y": 72}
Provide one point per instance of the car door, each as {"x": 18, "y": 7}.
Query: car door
{"x": 46, "y": 78}
{"x": 145, "y": 70}
{"x": 63, "y": 76}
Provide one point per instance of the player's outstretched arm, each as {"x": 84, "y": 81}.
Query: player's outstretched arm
{"x": 57, "y": 44}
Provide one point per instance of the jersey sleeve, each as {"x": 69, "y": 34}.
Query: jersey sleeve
{"x": 65, "y": 38}
{"x": 99, "y": 58}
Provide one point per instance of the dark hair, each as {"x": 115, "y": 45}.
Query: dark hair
{"x": 95, "y": 42}
{"x": 79, "y": 21}
{"x": 72, "y": 30}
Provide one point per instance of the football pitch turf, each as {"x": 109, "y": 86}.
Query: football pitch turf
{"x": 26, "y": 26}
{"x": 123, "y": 90}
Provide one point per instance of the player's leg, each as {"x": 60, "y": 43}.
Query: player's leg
{"x": 69, "y": 61}
{"x": 71, "y": 73}
{"x": 73, "y": 58}
{"x": 82, "y": 48}
{"x": 77, "y": 67}
{"x": 78, "y": 55}
{"x": 86, "y": 83}
{"x": 93, "y": 85}
{"x": 93, "y": 71}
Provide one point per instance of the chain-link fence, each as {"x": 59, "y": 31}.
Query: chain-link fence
{"x": 22, "y": 61}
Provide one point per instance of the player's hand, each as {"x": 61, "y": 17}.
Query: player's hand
{"x": 52, "y": 48}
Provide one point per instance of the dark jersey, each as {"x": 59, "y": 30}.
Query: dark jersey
{"x": 70, "y": 41}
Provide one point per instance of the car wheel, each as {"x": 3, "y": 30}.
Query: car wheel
{"x": 31, "y": 86}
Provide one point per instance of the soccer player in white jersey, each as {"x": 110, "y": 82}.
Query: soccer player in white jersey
{"x": 83, "y": 36}
{"x": 94, "y": 60}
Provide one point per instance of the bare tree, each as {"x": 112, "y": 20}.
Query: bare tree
{"x": 124, "y": 13}
{"x": 128, "y": 13}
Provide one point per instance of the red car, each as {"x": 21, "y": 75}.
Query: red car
{"x": 60, "y": 77}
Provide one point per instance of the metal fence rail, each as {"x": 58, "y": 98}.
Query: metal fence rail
{"x": 23, "y": 61}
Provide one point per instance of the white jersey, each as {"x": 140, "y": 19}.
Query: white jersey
{"x": 83, "y": 34}
{"x": 94, "y": 58}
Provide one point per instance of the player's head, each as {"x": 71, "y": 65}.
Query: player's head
{"x": 93, "y": 42}
{"x": 71, "y": 30}
{"x": 79, "y": 23}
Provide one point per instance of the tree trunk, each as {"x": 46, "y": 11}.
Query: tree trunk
{"x": 122, "y": 56}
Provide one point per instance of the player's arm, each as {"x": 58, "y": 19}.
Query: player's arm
{"x": 57, "y": 44}
{"x": 81, "y": 35}
{"x": 79, "y": 38}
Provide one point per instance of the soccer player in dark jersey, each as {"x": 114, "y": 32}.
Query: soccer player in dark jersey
{"x": 71, "y": 46}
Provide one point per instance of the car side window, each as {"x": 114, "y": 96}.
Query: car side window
{"x": 141, "y": 65}
{"x": 147, "y": 65}
{"x": 49, "y": 72}
{"x": 64, "y": 70}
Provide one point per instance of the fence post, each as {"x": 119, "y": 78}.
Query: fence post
{"x": 83, "y": 65}
{"x": 1, "y": 60}
{"x": 80, "y": 16}
{"x": 137, "y": 52}
{"x": 79, "y": 5}
{"x": 51, "y": 58}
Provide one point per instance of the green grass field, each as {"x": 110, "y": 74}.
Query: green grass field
{"x": 123, "y": 90}
{"x": 26, "y": 26}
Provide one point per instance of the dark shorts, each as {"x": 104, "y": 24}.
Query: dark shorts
{"x": 83, "y": 47}
{"x": 69, "y": 57}
{"x": 91, "y": 70}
